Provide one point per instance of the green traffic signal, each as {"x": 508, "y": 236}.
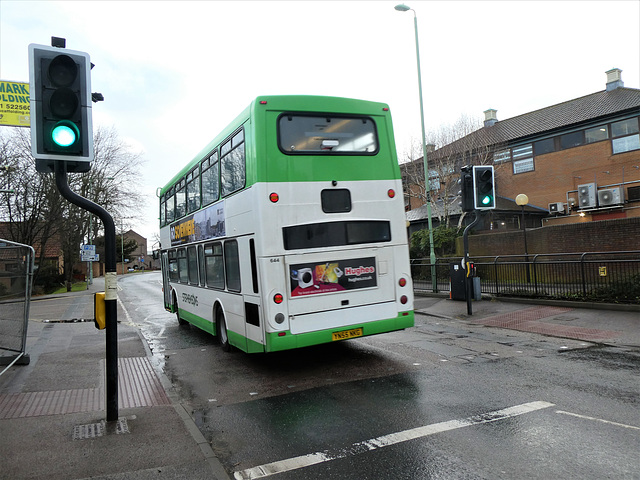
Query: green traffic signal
{"x": 60, "y": 96}
{"x": 484, "y": 187}
{"x": 64, "y": 134}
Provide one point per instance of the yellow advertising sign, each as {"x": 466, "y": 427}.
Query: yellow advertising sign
{"x": 14, "y": 104}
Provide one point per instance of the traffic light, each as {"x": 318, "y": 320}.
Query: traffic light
{"x": 466, "y": 190}
{"x": 483, "y": 187}
{"x": 60, "y": 91}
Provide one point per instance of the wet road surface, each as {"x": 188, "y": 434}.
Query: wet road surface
{"x": 445, "y": 399}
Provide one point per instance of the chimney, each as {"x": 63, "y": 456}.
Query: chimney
{"x": 490, "y": 117}
{"x": 614, "y": 79}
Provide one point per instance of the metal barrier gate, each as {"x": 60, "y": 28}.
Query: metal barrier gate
{"x": 16, "y": 281}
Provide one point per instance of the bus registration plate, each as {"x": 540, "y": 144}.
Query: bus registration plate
{"x": 345, "y": 334}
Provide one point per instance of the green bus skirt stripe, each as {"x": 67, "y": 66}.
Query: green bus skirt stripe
{"x": 275, "y": 342}
{"x": 195, "y": 320}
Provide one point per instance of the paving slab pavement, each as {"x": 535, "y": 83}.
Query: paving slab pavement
{"x": 52, "y": 411}
{"x": 617, "y": 325}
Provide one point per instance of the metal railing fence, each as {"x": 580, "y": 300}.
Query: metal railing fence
{"x": 16, "y": 281}
{"x": 590, "y": 276}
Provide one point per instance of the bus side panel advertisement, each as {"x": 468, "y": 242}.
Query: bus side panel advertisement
{"x": 332, "y": 276}
{"x": 203, "y": 225}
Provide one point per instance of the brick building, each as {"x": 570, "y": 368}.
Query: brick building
{"x": 577, "y": 161}
{"x": 138, "y": 259}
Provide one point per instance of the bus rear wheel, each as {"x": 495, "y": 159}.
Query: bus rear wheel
{"x": 175, "y": 308}
{"x": 223, "y": 335}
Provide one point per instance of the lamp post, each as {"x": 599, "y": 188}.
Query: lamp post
{"x": 90, "y": 264}
{"x": 522, "y": 200}
{"x": 427, "y": 189}
{"x": 122, "y": 245}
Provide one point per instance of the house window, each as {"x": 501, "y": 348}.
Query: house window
{"x": 596, "y": 134}
{"x": 544, "y": 146}
{"x": 571, "y": 140}
{"x": 625, "y": 127}
{"x": 523, "y": 166}
{"x": 434, "y": 180}
{"x": 627, "y": 133}
{"x": 522, "y": 151}
{"x": 522, "y": 158}
{"x": 626, "y": 144}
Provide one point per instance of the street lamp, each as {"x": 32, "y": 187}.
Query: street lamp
{"x": 122, "y": 245}
{"x": 427, "y": 189}
{"x": 522, "y": 200}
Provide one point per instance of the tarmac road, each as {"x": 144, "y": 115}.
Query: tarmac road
{"x": 335, "y": 408}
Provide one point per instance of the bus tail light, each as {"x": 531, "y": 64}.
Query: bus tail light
{"x": 404, "y": 299}
{"x": 278, "y": 298}
{"x": 402, "y": 282}
{"x": 274, "y": 197}
{"x": 391, "y": 193}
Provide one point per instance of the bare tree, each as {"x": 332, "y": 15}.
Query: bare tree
{"x": 114, "y": 179}
{"x": 31, "y": 207}
{"x": 448, "y": 149}
{"x": 35, "y": 212}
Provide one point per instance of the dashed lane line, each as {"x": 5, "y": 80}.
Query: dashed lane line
{"x": 585, "y": 417}
{"x": 303, "y": 461}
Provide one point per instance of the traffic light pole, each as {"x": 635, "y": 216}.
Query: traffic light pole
{"x": 110, "y": 285}
{"x": 468, "y": 279}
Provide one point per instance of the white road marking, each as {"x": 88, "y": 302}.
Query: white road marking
{"x": 126, "y": 313}
{"x": 597, "y": 420}
{"x": 289, "y": 464}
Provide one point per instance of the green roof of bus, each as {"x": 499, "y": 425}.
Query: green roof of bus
{"x": 290, "y": 103}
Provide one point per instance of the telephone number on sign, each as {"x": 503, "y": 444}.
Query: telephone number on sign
{"x": 11, "y": 106}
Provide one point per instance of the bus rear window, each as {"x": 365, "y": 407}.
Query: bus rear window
{"x": 333, "y": 234}
{"x": 313, "y": 135}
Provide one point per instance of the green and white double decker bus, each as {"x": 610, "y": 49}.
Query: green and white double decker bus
{"x": 288, "y": 229}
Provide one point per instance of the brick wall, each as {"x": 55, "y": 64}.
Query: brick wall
{"x": 599, "y": 236}
{"x": 558, "y": 173}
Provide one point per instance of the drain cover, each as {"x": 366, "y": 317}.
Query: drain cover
{"x": 94, "y": 430}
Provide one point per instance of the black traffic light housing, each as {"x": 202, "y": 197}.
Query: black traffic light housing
{"x": 60, "y": 92}
{"x": 466, "y": 189}
{"x": 484, "y": 197}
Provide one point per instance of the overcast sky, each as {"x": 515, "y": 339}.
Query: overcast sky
{"x": 174, "y": 73}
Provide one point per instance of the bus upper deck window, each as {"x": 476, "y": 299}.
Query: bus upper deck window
{"x": 334, "y": 135}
